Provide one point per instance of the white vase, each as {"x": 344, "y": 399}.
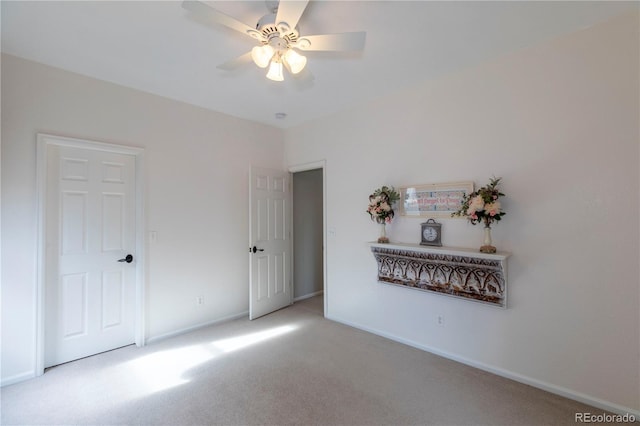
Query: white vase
{"x": 487, "y": 246}
{"x": 383, "y": 233}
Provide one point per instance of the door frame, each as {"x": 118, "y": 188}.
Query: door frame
{"x": 322, "y": 164}
{"x": 44, "y": 142}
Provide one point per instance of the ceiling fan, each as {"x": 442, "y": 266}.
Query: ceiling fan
{"x": 278, "y": 37}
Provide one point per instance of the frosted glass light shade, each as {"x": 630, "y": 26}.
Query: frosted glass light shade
{"x": 275, "y": 71}
{"x": 261, "y": 55}
{"x": 295, "y": 61}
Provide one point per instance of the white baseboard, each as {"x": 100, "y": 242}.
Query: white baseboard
{"x": 307, "y": 296}
{"x": 558, "y": 390}
{"x": 196, "y": 327}
{"x": 18, "y": 378}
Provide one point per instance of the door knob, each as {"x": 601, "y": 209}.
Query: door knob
{"x": 255, "y": 249}
{"x": 128, "y": 259}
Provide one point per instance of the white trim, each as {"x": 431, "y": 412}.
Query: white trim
{"x": 88, "y": 144}
{"x": 308, "y": 166}
{"x": 322, "y": 164}
{"x": 197, "y": 327}
{"x": 41, "y": 185}
{"x": 43, "y": 143}
{"x": 17, "y": 378}
{"x": 308, "y": 296}
{"x": 141, "y": 264}
{"x": 557, "y": 390}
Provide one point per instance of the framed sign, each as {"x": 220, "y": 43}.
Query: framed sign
{"x": 433, "y": 200}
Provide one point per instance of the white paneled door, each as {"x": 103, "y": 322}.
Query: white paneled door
{"x": 90, "y": 285}
{"x": 270, "y": 242}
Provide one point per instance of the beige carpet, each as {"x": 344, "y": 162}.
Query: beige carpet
{"x": 290, "y": 367}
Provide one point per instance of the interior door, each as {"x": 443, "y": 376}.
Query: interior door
{"x": 90, "y": 259}
{"x": 270, "y": 242}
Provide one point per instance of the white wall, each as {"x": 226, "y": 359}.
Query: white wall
{"x": 559, "y": 122}
{"x": 197, "y": 165}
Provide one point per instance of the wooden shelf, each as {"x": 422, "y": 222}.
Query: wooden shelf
{"x": 451, "y": 271}
{"x": 461, "y": 251}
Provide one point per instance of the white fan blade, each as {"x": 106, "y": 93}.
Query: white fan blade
{"x": 290, "y": 11}
{"x": 334, "y": 42}
{"x": 236, "y": 63}
{"x": 206, "y": 11}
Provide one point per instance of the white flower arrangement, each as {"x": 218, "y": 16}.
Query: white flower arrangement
{"x": 483, "y": 205}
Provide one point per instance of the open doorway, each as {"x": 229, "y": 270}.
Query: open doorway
{"x": 308, "y": 238}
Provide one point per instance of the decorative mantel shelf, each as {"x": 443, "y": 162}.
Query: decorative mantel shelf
{"x": 457, "y": 272}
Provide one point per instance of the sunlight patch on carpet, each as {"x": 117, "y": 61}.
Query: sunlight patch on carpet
{"x": 165, "y": 369}
{"x": 241, "y": 342}
{"x": 169, "y": 368}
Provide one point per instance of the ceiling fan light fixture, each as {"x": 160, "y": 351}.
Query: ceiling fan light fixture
{"x": 275, "y": 71}
{"x": 262, "y": 55}
{"x": 295, "y": 61}
{"x": 277, "y": 34}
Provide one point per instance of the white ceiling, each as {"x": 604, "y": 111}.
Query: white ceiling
{"x": 159, "y": 47}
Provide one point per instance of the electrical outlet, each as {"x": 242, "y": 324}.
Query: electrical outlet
{"x": 440, "y": 320}
{"x": 200, "y": 300}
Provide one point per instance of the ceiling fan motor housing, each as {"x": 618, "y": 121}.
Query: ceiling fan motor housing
{"x": 269, "y": 30}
